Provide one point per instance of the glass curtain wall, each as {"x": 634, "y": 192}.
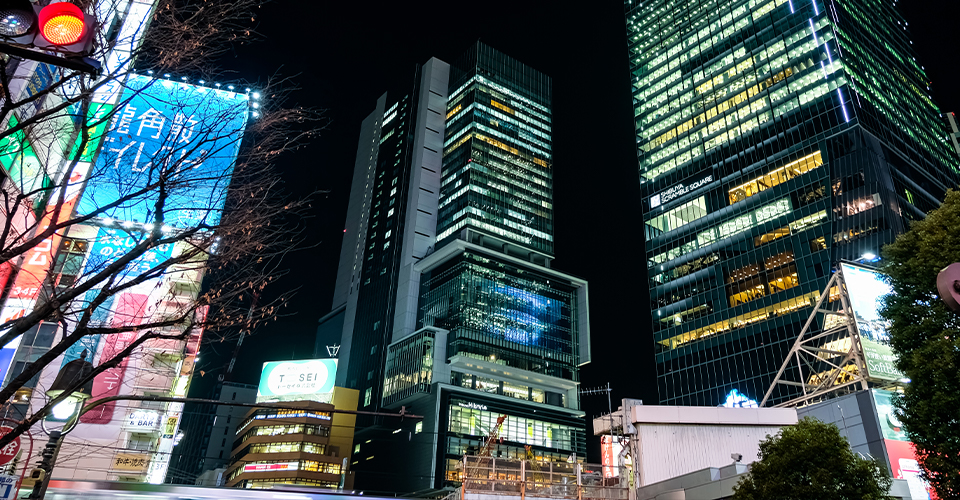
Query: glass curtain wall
{"x": 774, "y": 137}
{"x": 498, "y": 154}
{"x": 503, "y": 314}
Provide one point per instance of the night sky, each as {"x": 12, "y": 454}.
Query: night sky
{"x": 343, "y": 55}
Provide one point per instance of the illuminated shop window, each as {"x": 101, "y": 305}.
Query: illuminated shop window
{"x": 774, "y": 178}
{"x": 259, "y": 484}
{"x": 859, "y": 231}
{"x": 775, "y": 274}
{"x": 516, "y": 429}
{"x": 287, "y": 448}
{"x": 774, "y": 235}
{"x": 685, "y": 269}
{"x": 817, "y": 244}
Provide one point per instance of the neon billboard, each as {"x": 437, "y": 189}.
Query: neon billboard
{"x": 182, "y": 135}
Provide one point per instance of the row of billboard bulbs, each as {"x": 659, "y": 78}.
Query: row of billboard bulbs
{"x": 255, "y": 96}
{"x": 106, "y": 221}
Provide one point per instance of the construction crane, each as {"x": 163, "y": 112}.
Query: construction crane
{"x": 483, "y": 456}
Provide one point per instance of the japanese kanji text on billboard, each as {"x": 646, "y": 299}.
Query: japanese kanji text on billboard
{"x": 181, "y": 135}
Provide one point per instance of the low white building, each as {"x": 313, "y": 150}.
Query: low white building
{"x": 690, "y": 452}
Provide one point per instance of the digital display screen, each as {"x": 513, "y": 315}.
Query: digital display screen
{"x": 182, "y": 135}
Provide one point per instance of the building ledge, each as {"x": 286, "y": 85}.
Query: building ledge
{"x": 480, "y": 367}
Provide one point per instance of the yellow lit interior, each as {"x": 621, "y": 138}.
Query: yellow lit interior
{"x": 776, "y": 177}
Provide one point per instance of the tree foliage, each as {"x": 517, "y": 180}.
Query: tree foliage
{"x": 924, "y": 337}
{"x": 812, "y": 460}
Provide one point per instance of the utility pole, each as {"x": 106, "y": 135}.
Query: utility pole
{"x": 601, "y": 390}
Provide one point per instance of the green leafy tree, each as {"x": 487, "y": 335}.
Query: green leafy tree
{"x": 924, "y": 337}
{"x": 812, "y": 460}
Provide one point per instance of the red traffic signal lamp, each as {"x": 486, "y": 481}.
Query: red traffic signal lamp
{"x": 61, "y": 24}
{"x": 59, "y": 27}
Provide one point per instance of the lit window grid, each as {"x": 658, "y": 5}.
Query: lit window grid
{"x": 876, "y": 75}
{"x": 794, "y": 303}
{"x": 869, "y": 233}
{"x": 497, "y": 200}
{"x": 500, "y": 308}
{"x": 801, "y": 222}
{"x": 519, "y": 120}
{"x": 528, "y": 431}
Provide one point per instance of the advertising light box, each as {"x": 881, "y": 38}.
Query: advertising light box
{"x": 112, "y": 243}
{"x": 184, "y": 134}
{"x": 900, "y": 451}
{"x": 866, "y": 289}
{"x": 302, "y": 380}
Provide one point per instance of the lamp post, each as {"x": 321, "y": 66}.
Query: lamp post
{"x": 64, "y": 413}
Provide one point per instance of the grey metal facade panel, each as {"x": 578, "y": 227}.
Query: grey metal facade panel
{"x": 420, "y": 229}
{"x": 355, "y": 227}
{"x": 351, "y": 251}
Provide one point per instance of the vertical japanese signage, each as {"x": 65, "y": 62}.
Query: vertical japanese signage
{"x": 866, "y": 288}
{"x": 183, "y": 135}
{"x": 131, "y": 309}
{"x": 610, "y": 456}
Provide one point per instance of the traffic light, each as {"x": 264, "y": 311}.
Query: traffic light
{"x": 18, "y": 22}
{"x": 59, "y": 27}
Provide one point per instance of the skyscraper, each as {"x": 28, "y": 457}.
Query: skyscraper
{"x": 445, "y": 294}
{"x": 775, "y": 138}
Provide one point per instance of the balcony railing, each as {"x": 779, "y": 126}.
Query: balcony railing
{"x": 541, "y": 479}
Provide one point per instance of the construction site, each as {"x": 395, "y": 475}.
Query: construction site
{"x": 484, "y": 476}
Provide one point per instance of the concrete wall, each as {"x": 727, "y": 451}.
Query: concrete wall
{"x": 856, "y": 417}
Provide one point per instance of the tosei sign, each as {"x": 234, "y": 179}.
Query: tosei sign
{"x": 303, "y": 380}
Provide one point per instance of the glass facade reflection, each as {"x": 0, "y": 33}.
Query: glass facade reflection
{"x": 503, "y": 312}
{"x": 774, "y": 138}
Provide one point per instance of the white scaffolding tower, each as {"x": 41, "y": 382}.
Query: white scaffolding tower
{"x": 827, "y": 359}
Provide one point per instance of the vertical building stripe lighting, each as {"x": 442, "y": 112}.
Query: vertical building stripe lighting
{"x": 843, "y": 106}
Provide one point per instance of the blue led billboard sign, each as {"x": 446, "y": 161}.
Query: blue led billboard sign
{"x": 181, "y": 135}
{"x": 112, "y": 243}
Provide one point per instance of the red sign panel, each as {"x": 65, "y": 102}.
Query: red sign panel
{"x": 903, "y": 461}
{"x": 130, "y": 311}
{"x": 10, "y": 451}
{"x": 271, "y": 467}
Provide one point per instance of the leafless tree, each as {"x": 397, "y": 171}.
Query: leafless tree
{"x": 185, "y": 237}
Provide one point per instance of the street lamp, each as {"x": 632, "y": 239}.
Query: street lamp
{"x": 66, "y": 412}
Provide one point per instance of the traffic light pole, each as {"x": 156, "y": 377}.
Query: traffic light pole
{"x": 85, "y": 65}
{"x": 52, "y": 449}
{"x": 48, "y": 458}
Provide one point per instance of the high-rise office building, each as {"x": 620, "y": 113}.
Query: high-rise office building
{"x": 445, "y": 294}
{"x": 775, "y": 138}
